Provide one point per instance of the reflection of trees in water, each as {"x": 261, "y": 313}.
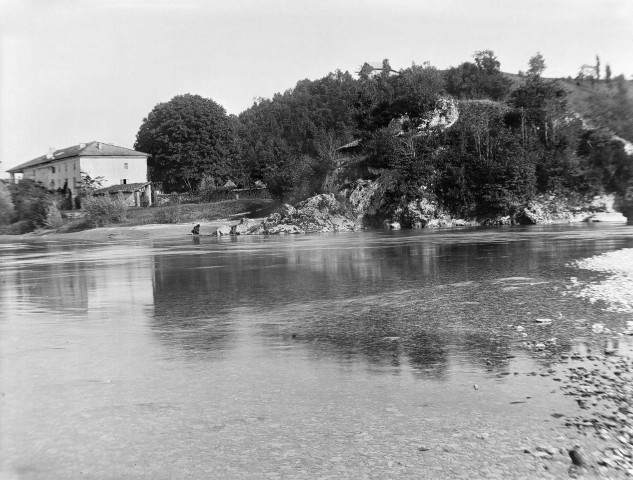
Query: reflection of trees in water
{"x": 428, "y": 353}
{"x": 349, "y": 298}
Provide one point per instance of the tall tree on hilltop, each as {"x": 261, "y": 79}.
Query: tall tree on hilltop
{"x": 537, "y": 66}
{"x": 482, "y": 79}
{"x": 187, "y": 138}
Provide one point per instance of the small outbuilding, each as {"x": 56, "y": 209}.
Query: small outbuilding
{"x": 134, "y": 194}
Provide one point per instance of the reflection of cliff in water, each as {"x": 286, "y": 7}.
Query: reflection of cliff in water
{"x": 416, "y": 301}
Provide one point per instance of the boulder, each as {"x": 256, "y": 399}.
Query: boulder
{"x": 607, "y": 217}
{"x": 532, "y": 214}
{"x": 273, "y": 218}
{"x": 324, "y": 202}
{"x": 288, "y": 210}
{"x": 239, "y": 229}
{"x": 342, "y": 224}
{"x": 222, "y": 230}
{"x": 284, "y": 229}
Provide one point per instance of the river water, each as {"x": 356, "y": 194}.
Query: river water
{"x": 361, "y": 355}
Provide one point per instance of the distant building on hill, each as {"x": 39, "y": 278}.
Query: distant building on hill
{"x": 62, "y": 169}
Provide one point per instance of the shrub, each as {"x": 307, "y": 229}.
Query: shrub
{"x": 6, "y": 204}
{"x": 169, "y": 215}
{"x": 31, "y": 201}
{"x": 101, "y": 211}
{"x": 17, "y": 228}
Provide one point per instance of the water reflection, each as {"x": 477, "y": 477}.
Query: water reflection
{"x": 77, "y": 281}
{"x": 420, "y": 302}
{"x": 413, "y": 303}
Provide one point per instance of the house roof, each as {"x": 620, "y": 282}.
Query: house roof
{"x": 126, "y": 188}
{"x": 91, "y": 149}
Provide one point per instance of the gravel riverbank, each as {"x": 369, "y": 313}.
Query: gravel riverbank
{"x": 601, "y": 381}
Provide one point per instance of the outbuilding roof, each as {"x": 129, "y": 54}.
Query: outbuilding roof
{"x": 91, "y": 149}
{"x": 124, "y": 188}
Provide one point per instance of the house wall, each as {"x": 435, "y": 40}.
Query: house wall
{"x": 113, "y": 169}
{"x": 64, "y": 170}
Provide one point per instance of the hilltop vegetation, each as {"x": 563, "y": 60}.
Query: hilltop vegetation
{"x": 516, "y": 136}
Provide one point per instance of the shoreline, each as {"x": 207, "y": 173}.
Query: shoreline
{"x": 152, "y": 231}
{"x": 149, "y": 231}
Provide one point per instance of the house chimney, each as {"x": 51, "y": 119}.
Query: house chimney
{"x": 99, "y": 145}
{"x": 50, "y": 153}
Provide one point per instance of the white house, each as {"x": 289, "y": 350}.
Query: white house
{"x": 59, "y": 168}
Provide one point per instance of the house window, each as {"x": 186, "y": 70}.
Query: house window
{"x": 52, "y": 184}
{"x": 74, "y": 166}
{"x": 125, "y": 166}
{"x": 74, "y": 183}
{"x": 66, "y": 167}
{"x": 52, "y": 169}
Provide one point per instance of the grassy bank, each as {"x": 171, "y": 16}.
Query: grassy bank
{"x": 187, "y": 213}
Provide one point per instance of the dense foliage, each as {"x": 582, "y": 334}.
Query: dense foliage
{"x": 104, "y": 210}
{"x": 187, "y": 138}
{"x": 6, "y": 204}
{"x": 480, "y": 80}
{"x": 612, "y": 107}
{"x": 511, "y": 141}
{"x": 31, "y": 202}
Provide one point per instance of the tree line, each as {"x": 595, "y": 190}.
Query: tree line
{"x": 512, "y": 140}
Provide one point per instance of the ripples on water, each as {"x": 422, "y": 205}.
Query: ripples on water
{"x": 106, "y": 344}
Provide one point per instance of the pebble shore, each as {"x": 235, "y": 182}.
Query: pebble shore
{"x": 602, "y": 383}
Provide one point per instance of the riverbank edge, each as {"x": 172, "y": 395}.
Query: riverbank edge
{"x": 230, "y": 227}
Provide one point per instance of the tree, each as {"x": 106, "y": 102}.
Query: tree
{"x": 597, "y": 67}
{"x": 479, "y": 80}
{"x": 607, "y": 73}
{"x": 187, "y": 138}
{"x": 87, "y": 184}
{"x": 537, "y": 65}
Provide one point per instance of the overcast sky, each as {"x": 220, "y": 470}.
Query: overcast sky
{"x": 73, "y": 71}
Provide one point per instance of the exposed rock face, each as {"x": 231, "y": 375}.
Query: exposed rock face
{"x": 319, "y": 214}
{"x": 611, "y": 217}
{"x": 443, "y": 116}
{"x": 365, "y": 204}
{"x": 360, "y": 198}
{"x": 556, "y": 209}
{"x": 602, "y": 203}
{"x": 531, "y": 215}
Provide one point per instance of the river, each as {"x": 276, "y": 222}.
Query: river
{"x": 361, "y": 355}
